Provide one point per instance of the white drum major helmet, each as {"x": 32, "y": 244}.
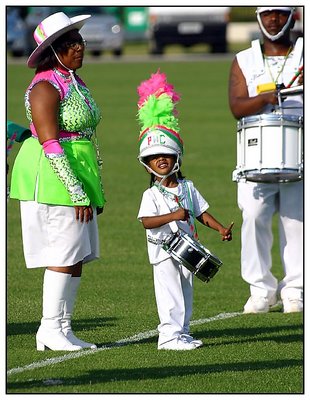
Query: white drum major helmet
{"x": 160, "y": 140}
{"x": 159, "y": 124}
{"x": 290, "y": 10}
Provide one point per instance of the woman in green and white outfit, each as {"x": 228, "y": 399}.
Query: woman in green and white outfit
{"x": 56, "y": 176}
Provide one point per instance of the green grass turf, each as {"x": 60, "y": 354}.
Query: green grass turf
{"x": 244, "y": 354}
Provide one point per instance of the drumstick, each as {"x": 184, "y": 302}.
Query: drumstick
{"x": 228, "y": 232}
{"x": 230, "y": 226}
{"x": 298, "y": 72}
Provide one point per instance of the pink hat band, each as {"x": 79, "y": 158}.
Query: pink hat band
{"x": 39, "y": 34}
{"x": 51, "y": 25}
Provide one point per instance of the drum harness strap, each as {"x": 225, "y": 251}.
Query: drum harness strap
{"x": 160, "y": 195}
{"x": 153, "y": 240}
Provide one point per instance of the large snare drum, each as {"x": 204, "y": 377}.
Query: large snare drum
{"x": 269, "y": 148}
{"x": 192, "y": 255}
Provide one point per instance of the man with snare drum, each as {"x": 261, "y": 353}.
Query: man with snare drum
{"x": 266, "y": 96}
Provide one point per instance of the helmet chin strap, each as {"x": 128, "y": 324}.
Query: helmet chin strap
{"x": 71, "y": 72}
{"x": 279, "y": 34}
{"x": 175, "y": 169}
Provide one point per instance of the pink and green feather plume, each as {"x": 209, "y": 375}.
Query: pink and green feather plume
{"x": 157, "y": 103}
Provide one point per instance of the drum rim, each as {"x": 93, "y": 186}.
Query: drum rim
{"x": 273, "y": 170}
{"x": 275, "y": 118}
{"x": 258, "y": 176}
{"x": 195, "y": 243}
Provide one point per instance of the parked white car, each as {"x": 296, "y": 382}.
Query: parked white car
{"x": 188, "y": 26}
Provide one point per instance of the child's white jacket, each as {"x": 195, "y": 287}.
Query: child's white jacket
{"x": 155, "y": 202}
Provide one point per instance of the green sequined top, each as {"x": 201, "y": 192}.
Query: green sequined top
{"x": 32, "y": 176}
{"x": 76, "y": 114}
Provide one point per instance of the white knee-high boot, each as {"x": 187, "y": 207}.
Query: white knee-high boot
{"x": 49, "y": 335}
{"x": 67, "y": 315}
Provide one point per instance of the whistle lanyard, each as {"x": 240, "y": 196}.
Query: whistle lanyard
{"x": 282, "y": 68}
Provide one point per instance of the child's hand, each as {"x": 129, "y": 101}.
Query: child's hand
{"x": 226, "y": 233}
{"x": 181, "y": 214}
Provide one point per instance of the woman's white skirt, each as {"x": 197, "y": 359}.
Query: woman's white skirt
{"x": 52, "y": 237}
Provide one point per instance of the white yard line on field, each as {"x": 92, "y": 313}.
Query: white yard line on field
{"x": 130, "y": 340}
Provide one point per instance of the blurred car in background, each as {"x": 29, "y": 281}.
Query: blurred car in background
{"x": 188, "y": 26}
{"x": 102, "y": 32}
{"x": 16, "y": 33}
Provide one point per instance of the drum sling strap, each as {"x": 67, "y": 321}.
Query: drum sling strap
{"x": 160, "y": 199}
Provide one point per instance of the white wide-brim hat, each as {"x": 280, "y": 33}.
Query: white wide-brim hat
{"x": 50, "y": 29}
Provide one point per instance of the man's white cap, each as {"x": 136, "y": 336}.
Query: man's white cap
{"x": 260, "y": 10}
{"x": 263, "y": 9}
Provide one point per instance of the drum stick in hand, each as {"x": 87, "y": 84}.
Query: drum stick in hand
{"x": 231, "y": 226}
{"x": 228, "y": 235}
{"x": 299, "y": 71}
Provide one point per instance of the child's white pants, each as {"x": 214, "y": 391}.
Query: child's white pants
{"x": 173, "y": 285}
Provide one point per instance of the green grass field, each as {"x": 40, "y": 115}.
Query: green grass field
{"x": 256, "y": 354}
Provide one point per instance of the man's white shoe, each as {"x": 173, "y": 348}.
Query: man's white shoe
{"x": 292, "y": 305}
{"x": 257, "y": 305}
{"x": 177, "y": 344}
{"x": 189, "y": 339}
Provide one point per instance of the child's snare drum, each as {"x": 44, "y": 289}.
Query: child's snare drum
{"x": 269, "y": 148}
{"x": 192, "y": 255}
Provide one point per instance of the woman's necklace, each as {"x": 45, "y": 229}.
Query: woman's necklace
{"x": 282, "y": 67}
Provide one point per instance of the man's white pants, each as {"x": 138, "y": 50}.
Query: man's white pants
{"x": 259, "y": 202}
{"x": 173, "y": 285}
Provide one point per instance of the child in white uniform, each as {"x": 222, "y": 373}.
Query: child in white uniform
{"x": 171, "y": 203}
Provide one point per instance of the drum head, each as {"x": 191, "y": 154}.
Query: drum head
{"x": 269, "y": 120}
